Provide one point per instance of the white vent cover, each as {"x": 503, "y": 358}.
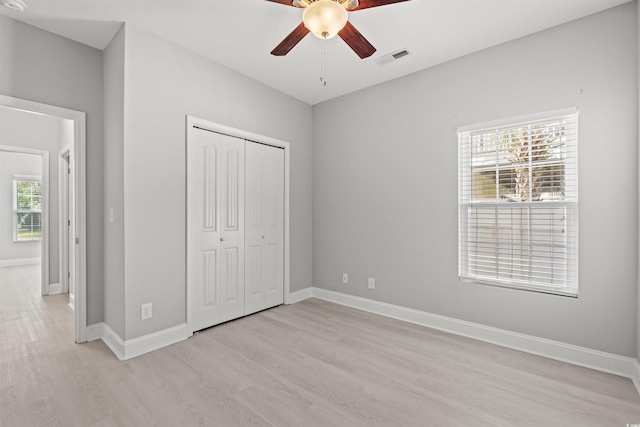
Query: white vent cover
{"x": 392, "y": 57}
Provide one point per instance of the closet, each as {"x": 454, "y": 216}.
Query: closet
{"x": 235, "y": 241}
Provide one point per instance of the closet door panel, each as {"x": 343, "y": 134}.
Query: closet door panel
{"x": 254, "y": 294}
{"x": 254, "y": 224}
{"x": 264, "y": 227}
{"x": 216, "y": 241}
{"x": 232, "y": 233}
{"x": 204, "y": 237}
{"x": 274, "y": 226}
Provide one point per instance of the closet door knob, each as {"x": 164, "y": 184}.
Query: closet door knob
{"x": 222, "y": 239}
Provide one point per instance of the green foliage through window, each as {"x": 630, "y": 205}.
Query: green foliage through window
{"x": 27, "y": 207}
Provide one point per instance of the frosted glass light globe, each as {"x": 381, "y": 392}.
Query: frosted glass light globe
{"x": 324, "y": 18}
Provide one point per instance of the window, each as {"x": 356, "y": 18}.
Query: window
{"x": 518, "y": 203}
{"x": 27, "y": 208}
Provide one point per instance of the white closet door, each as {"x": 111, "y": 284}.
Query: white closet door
{"x": 232, "y": 228}
{"x": 216, "y": 261}
{"x": 264, "y": 233}
{"x": 274, "y": 226}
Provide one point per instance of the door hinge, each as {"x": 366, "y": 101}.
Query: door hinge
{"x": 69, "y": 170}
{"x": 69, "y": 275}
{"x": 69, "y": 223}
{"x": 77, "y": 240}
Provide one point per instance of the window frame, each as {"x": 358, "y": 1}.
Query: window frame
{"x": 16, "y": 179}
{"x": 469, "y": 260}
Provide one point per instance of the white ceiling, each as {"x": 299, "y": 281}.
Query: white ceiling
{"x": 240, "y": 34}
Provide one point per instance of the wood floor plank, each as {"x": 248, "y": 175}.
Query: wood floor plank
{"x": 309, "y": 364}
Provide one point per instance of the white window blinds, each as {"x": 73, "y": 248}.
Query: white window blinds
{"x": 518, "y": 203}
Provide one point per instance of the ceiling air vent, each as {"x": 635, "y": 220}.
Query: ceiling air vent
{"x": 392, "y": 57}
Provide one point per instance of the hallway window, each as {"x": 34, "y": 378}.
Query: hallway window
{"x": 27, "y": 208}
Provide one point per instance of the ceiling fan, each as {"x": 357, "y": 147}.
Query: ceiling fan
{"x": 325, "y": 19}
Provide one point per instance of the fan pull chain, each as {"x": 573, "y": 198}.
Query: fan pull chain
{"x": 323, "y": 65}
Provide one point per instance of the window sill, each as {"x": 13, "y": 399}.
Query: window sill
{"x": 549, "y": 290}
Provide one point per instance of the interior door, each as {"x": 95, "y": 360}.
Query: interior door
{"x": 69, "y": 254}
{"x": 215, "y": 179}
{"x": 264, "y": 232}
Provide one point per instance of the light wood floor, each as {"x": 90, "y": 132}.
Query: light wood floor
{"x": 310, "y": 364}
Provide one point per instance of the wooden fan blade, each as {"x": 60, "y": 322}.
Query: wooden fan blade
{"x": 366, "y": 4}
{"x": 285, "y": 2}
{"x": 356, "y": 41}
{"x": 291, "y": 40}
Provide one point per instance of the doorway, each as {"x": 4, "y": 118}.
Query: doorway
{"x": 24, "y": 185}
{"x": 76, "y": 236}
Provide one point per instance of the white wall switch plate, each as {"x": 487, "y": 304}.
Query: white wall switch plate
{"x": 146, "y": 311}
{"x": 372, "y": 283}
{"x": 345, "y": 278}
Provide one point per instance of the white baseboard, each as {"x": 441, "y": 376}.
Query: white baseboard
{"x": 636, "y": 376}
{"x": 606, "y": 362}
{"x": 55, "y": 288}
{"x": 154, "y": 341}
{"x": 17, "y": 262}
{"x": 94, "y": 331}
{"x": 300, "y": 295}
{"x": 102, "y": 331}
{"x": 113, "y": 341}
{"x": 129, "y": 349}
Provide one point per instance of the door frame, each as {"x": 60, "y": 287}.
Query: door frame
{"x": 78, "y": 167}
{"x": 193, "y": 123}
{"x": 65, "y": 217}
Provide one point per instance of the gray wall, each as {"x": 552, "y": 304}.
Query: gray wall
{"x": 46, "y": 133}
{"x": 385, "y": 181}
{"x": 162, "y": 84}
{"x": 15, "y": 164}
{"x": 39, "y": 66}
{"x": 113, "y": 165}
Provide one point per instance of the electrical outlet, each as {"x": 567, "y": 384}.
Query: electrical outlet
{"x": 345, "y": 278}
{"x": 372, "y": 283}
{"x": 146, "y": 311}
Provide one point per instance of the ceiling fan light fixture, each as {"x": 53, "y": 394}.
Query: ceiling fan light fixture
{"x": 17, "y": 5}
{"x": 325, "y": 18}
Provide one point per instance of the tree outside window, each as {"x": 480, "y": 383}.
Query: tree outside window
{"x": 27, "y": 208}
